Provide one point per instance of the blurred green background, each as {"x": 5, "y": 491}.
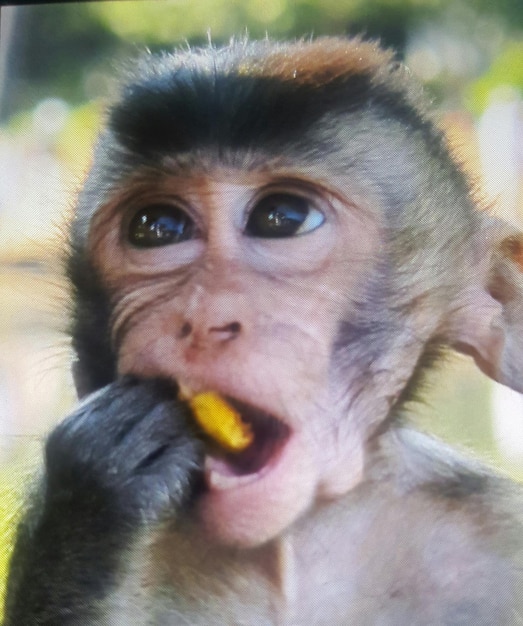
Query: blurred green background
{"x": 56, "y": 63}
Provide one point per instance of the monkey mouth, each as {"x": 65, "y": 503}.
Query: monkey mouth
{"x": 225, "y": 470}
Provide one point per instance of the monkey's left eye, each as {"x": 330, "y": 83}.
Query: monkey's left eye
{"x": 283, "y": 215}
{"x": 160, "y": 225}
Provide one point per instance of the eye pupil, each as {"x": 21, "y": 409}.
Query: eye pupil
{"x": 278, "y": 218}
{"x": 160, "y": 225}
{"x": 278, "y": 215}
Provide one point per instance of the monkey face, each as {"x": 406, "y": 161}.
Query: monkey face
{"x": 235, "y": 282}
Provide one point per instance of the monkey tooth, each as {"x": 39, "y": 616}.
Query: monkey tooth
{"x": 220, "y": 478}
{"x": 185, "y": 393}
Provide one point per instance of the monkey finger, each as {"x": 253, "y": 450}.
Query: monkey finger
{"x": 164, "y": 431}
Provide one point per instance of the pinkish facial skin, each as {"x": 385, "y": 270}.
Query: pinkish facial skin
{"x": 280, "y": 361}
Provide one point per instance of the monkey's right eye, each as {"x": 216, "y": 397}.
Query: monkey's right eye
{"x": 160, "y": 225}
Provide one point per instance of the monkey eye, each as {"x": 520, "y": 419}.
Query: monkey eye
{"x": 160, "y": 225}
{"x": 283, "y": 215}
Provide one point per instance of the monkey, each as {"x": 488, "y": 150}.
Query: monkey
{"x": 284, "y": 225}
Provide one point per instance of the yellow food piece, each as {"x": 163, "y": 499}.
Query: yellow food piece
{"x": 220, "y": 421}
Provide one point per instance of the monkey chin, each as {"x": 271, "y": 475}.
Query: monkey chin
{"x": 252, "y": 497}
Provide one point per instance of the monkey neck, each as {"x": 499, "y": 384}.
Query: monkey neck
{"x": 277, "y": 577}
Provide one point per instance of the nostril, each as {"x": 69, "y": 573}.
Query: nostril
{"x": 216, "y": 333}
{"x": 185, "y": 330}
{"x": 227, "y": 329}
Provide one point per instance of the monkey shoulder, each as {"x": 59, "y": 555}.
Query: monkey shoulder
{"x": 458, "y": 523}
{"x": 426, "y": 466}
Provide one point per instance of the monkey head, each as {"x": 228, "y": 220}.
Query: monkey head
{"x": 283, "y": 225}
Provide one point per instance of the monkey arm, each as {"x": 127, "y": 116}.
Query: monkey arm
{"x": 122, "y": 461}
{"x": 65, "y": 560}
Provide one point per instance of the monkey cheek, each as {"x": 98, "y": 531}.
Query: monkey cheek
{"x": 252, "y": 514}
{"x": 343, "y": 475}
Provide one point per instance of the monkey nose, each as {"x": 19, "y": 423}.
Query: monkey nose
{"x": 225, "y": 332}
{"x": 220, "y": 334}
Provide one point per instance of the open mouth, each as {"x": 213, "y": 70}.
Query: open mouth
{"x": 225, "y": 469}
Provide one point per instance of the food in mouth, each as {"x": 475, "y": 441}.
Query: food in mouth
{"x": 221, "y": 422}
{"x": 243, "y": 439}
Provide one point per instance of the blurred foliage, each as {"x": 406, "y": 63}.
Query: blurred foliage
{"x": 75, "y": 139}
{"x": 504, "y": 75}
{"x": 163, "y": 22}
{"x": 166, "y": 22}
{"x": 52, "y": 51}
{"x": 9, "y": 515}
{"x": 68, "y": 50}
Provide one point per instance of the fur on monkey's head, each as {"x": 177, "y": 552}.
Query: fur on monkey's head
{"x": 259, "y": 95}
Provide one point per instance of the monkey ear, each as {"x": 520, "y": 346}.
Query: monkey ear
{"x": 490, "y": 324}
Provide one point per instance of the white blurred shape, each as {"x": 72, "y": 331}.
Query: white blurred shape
{"x": 507, "y": 425}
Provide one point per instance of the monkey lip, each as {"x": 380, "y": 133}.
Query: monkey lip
{"x": 226, "y": 470}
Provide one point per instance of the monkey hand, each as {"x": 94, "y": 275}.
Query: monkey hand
{"x": 124, "y": 459}
{"x": 128, "y": 452}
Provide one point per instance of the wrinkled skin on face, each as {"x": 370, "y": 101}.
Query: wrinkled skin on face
{"x": 174, "y": 307}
